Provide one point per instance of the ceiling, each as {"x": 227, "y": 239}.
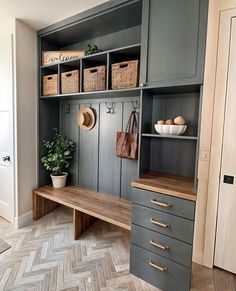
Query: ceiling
{"x": 41, "y": 13}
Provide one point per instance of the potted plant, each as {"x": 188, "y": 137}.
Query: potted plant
{"x": 58, "y": 158}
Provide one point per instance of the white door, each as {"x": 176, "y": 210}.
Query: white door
{"x": 225, "y": 249}
{"x": 6, "y": 129}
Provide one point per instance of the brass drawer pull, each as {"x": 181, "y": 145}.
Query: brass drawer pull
{"x": 159, "y": 223}
{"x": 157, "y": 267}
{"x": 162, "y": 204}
{"x": 164, "y": 248}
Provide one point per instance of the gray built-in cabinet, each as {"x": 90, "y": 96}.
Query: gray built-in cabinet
{"x": 173, "y": 38}
{"x": 168, "y": 37}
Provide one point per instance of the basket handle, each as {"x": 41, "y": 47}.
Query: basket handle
{"x": 124, "y": 65}
{"x": 93, "y": 71}
{"x": 49, "y": 77}
{"x": 69, "y": 75}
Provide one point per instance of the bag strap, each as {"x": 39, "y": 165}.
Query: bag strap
{"x": 128, "y": 126}
{"x": 132, "y": 125}
{"x": 134, "y": 128}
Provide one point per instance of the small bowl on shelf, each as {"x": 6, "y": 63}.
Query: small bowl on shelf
{"x": 171, "y": 129}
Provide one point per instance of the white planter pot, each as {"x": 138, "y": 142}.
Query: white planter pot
{"x": 59, "y": 181}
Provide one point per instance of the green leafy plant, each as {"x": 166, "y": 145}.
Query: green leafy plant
{"x": 92, "y": 50}
{"x": 59, "y": 153}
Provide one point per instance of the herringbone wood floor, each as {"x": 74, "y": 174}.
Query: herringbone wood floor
{"x": 45, "y": 257}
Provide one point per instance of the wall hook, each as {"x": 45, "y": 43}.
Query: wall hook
{"x": 110, "y": 108}
{"x": 87, "y": 105}
{"x": 67, "y": 108}
{"x": 135, "y": 105}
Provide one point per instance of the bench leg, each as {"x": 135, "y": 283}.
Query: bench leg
{"x": 42, "y": 206}
{"x": 81, "y": 222}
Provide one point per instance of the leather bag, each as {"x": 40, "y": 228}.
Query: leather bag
{"x": 127, "y": 142}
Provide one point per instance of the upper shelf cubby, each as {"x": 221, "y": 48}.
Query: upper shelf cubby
{"x": 104, "y": 58}
{"x": 117, "y": 22}
{"x": 125, "y": 53}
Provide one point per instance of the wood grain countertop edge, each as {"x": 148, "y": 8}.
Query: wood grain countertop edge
{"x": 163, "y": 190}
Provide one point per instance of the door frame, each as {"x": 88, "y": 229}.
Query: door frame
{"x": 12, "y": 116}
{"x": 221, "y": 81}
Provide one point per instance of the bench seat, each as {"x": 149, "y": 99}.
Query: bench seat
{"x": 87, "y": 205}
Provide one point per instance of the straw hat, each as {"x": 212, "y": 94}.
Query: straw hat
{"x": 86, "y": 118}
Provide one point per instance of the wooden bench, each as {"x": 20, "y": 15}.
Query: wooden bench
{"x": 87, "y": 205}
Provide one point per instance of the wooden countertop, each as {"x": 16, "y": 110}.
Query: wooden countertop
{"x": 173, "y": 185}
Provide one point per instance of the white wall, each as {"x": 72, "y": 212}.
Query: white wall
{"x": 7, "y": 27}
{"x": 26, "y": 114}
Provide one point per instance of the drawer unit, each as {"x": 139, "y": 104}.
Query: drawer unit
{"x": 161, "y": 239}
{"x": 159, "y": 271}
{"x": 165, "y": 203}
{"x": 163, "y": 245}
{"x": 171, "y": 225}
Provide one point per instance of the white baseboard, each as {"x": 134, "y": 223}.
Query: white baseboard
{"x": 24, "y": 220}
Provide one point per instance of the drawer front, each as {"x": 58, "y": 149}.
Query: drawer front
{"x": 171, "y": 225}
{"x": 162, "y": 202}
{"x": 163, "y": 245}
{"x": 174, "y": 277}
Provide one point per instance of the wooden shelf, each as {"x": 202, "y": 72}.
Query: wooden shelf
{"x": 169, "y": 136}
{"x": 131, "y": 49}
{"x": 94, "y": 23}
{"x": 170, "y": 89}
{"x": 90, "y": 95}
{"x": 173, "y": 185}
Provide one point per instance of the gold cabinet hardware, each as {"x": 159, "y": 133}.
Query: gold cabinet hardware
{"x": 164, "y": 248}
{"x": 157, "y": 267}
{"x": 162, "y": 204}
{"x": 159, "y": 223}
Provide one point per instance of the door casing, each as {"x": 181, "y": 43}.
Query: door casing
{"x": 7, "y": 108}
{"x": 221, "y": 79}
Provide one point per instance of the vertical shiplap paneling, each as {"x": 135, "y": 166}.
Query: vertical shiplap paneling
{"x": 69, "y": 127}
{"x": 88, "y": 154}
{"x": 129, "y": 168}
{"x": 109, "y": 164}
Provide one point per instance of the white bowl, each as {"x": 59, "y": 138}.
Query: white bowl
{"x": 170, "y": 129}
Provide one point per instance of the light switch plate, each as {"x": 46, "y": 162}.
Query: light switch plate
{"x": 204, "y": 155}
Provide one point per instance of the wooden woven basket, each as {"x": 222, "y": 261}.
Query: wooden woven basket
{"x": 50, "y": 85}
{"x": 70, "y": 82}
{"x": 95, "y": 79}
{"x": 125, "y": 75}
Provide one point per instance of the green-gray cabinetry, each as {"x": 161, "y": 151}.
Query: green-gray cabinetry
{"x": 161, "y": 239}
{"x": 168, "y": 37}
{"x": 173, "y": 42}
